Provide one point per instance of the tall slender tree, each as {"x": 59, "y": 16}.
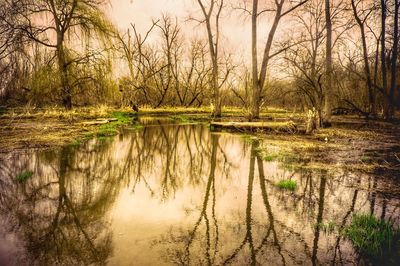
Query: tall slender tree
{"x": 259, "y": 76}
{"x": 361, "y": 21}
{"x": 326, "y": 119}
{"x": 213, "y": 14}
{"x": 383, "y": 51}
{"x": 394, "y": 59}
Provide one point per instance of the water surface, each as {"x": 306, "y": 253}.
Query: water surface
{"x": 171, "y": 194}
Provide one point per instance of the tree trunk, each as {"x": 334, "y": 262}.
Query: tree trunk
{"x": 326, "y": 121}
{"x": 63, "y": 68}
{"x": 371, "y": 97}
{"x": 254, "y": 100}
{"x": 214, "y": 58}
{"x": 391, "y": 101}
{"x": 259, "y": 81}
{"x": 383, "y": 54}
{"x": 217, "y": 98}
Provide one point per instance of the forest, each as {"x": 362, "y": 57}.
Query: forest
{"x": 199, "y": 132}
{"x": 341, "y": 59}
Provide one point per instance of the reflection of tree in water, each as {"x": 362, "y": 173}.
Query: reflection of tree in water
{"x": 210, "y": 189}
{"x": 167, "y": 158}
{"x": 58, "y": 214}
{"x": 60, "y": 211}
{"x": 287, "y": 233}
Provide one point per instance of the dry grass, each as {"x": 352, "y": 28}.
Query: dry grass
{"x": 57, "y": 112}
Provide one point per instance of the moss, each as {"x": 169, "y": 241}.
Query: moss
{"x": 370, "y": 235}
{"x": 287, "y": 184}
{"x": 22, "y": 177}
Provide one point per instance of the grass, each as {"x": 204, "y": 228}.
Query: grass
{"x": 270, "y": 157}
{"x": 58, "y": 112}
{"x": 287, "y": 184}
{"x": 328, "y": 227}
{"x": 111, "y": 128}
{"x": 22, "y": 177}
{"x": 108, "y": 130}
{"x": 182, "y": 118}
{"x": 248, "y": 138}
{"x": 370, "y": 235}
{"x": 288, "y": 159}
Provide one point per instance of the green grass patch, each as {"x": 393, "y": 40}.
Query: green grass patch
{"x": 370, "y": 235}
{"x": 76, "y": 143}
{"x": 327, "y": 228}
{"x": 287, "y": 184}
{"x": 111, "y": 128}
{"x": 270, "y": 157}
{"x": 123, "y": 117}
{"x": 22, "y": 177}
{"x": 182, "y": 118}
{"x": 248, "y": 138}
{"x": 288, "y": 159}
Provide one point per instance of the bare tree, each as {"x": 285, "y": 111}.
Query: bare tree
{"x": 361, "y": 21}
{"x": 259, "y": 77}
{"x": 211, "y": 14}
{"x": 395, "y": 48}
{"x": 383, "y": 51}
{"x": 305, "y": 61}
{"x": 194, "y": 77}
{"x": 138, "y": 56}
{"x": 326, "y": 119}
{"x": 171, "y": 49}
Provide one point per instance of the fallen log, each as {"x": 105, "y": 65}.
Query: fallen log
{"x": 99, "y": 121}
{"x": 108, "y": 119}
{"x": 286, "y": 127}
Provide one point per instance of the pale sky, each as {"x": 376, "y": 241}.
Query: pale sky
{"x": 235, "y": 29}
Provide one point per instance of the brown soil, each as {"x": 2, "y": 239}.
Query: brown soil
{"x": 21, "y": 133}
{"x": 373, "y": 146}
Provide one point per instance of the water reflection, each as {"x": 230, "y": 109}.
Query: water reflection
{"x": 177, "y": 194}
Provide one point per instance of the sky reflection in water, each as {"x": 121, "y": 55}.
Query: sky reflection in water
{"x": 176, "y": 194}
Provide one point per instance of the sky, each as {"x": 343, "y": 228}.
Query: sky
{"x": 235, "y": 29}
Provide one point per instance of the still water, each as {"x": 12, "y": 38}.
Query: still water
{"x": 171, "y": 194}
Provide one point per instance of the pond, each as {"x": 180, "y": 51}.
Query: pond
{"x": 172, "y": 193}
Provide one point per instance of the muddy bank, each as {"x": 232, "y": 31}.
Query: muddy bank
{"x": 53, "y": 129}
{"x": 372, "y": 147}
